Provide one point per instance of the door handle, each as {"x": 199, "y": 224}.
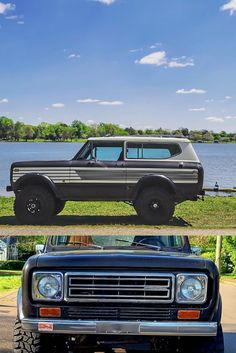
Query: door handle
{"x": 91, "y": 163}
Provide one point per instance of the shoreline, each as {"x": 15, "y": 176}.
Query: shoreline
{"x": 84, "y": 140}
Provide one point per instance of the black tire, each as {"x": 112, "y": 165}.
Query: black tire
{"x": 27, "y": 342}
{"x": 34, "y": 204}
{"x": 59, "y": 206}
{"x": 30, "y": 342}
{"x": 155, "y": 206}
{"x": 206, "y": 344}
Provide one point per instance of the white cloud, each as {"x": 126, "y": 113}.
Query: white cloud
{"x": 209, "y": 100}
{"x": 90, "y": 122}
{"x": 74, "y": 56}
{"x": 226, "y": 98}
{"x": 99, "y": 101}
{"x": 154, "y": 46}
{"x": 4, "y": 100}
{"x": 58, "y": 105}
{"x": 111, "y": 103}
{"x": 135, "y": 50}
{"x": 214, "y": 119}
{"x": 13, "y": 17}
{"x": 229, "y": 117}
{"x": 88, "y": 100}
{"x": 6, "y": 7}
{"x": 158, "y": 59}
{"x": 20, "y": 22}
{"x": 177, "y": 62}
{"x": 202, "y": 109}
{"x": 106, "y": 2}
{"x": 191, "y": 91}
{"x": 229, "y": 6}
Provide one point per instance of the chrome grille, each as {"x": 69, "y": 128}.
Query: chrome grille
{"x": 106, "y": 312}
{"x": 119, "y": 287}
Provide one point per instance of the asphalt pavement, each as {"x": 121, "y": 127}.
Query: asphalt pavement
{"x": 228, "y": 292}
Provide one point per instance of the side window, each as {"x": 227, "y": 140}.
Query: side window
{"x": 108, "y": 153}
{"x": 134, "y": 151}
{"x": 152, "y": 150}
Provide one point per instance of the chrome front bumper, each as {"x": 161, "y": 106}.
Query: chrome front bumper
{"x": 76, "y": 327}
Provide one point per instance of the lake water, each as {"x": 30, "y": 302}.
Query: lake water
{"x": 219, "y": 160}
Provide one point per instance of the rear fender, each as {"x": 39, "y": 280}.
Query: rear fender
{"x": 160, "y": 181}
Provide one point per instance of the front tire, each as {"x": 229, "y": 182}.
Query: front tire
{"x": 34, "y": 205}
{"x": 155, "y": 206}
{"x": 28, "y": 342}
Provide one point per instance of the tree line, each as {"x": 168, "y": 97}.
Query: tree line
{"x": 19, "y": 131}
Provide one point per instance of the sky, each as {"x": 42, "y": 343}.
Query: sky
{"x": 140, "y": 63}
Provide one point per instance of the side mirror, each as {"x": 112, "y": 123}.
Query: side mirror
{"x": 196, "y": 251}
{"x": 39, "y": 248}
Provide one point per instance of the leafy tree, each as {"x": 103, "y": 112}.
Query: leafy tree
{"x": 28, "y": 132}
{"x": 18, "y": 130}
{"x": 6, "y": 128}
{"x": 81, "y": 130}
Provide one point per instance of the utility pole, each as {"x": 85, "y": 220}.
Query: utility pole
{"x": 218, "y": 251}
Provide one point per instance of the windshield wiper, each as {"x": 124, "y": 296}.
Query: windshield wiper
{"x": 85, "y": 244}
{"x": 155, "y": 247}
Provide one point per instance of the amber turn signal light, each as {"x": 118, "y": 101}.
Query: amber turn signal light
{"x": 188, "y": 314}
{"x": 50, "y": 312}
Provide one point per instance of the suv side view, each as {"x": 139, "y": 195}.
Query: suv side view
{"x": 152, "y": 173}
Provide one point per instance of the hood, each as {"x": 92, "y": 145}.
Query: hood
{"x": 127, "y": 259}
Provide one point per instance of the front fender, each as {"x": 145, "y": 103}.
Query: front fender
{"x": 35, "y": 179}
{"x": 20, "y": 314}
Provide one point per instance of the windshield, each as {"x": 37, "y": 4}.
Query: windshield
{"x": 156, "y": 243}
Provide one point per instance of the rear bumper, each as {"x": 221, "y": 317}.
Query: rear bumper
{"x": 77, "y": 327}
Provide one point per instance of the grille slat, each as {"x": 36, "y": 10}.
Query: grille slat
{"x": 120, "y": 313}
{"x": 119, "y": 287}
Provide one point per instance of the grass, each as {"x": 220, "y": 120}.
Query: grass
{"x": 214, "y": 212}
{"x": 228, "y": 276}
{"x": 9, "y": 281}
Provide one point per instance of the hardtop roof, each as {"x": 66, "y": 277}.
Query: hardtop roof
{"x": 141, "y": 139}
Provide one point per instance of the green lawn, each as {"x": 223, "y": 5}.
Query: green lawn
{"x": 214, "y": 212}
{"x": 229, "y": 276}
{"x": 9, "y": 282}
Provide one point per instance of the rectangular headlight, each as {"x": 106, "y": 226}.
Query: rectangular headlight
{"x": 47, "y": 286}
{"x": 191, "y": 288}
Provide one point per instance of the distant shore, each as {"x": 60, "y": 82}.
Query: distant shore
{"x": 82, "y": 140}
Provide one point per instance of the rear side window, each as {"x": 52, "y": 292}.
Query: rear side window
{"x": 152, "y": 150}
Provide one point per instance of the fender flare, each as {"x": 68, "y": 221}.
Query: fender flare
{"x": 20, "y": 314}
{"x": 218, "y": 312}
{"x": 36, "y": 178}
{"x": 155, "y": 179}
